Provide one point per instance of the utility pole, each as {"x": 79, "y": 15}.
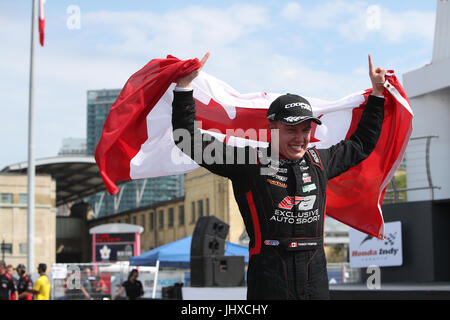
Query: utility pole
{"x": 31, "y": 165}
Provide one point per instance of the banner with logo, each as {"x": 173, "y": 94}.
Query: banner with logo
{"x": 365, "y": 250}
{"x": 110, "y": 252}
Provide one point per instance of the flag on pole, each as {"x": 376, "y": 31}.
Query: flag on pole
{"x": 137, "y": 140}
{"x": 41, "y": 22}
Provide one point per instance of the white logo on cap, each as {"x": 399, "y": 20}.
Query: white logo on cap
{"x": 293, "y": 119}
{"x": 298, "y": 104}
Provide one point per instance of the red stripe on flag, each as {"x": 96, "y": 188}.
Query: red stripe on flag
{"x": 125, "y": 128}
{"x": 355, "y": 197}
{"x": 41, "y": 22}
{"x": 41, "y": 31}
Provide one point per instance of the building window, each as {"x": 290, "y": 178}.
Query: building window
{"x": 161, "y": 219}
{"x": 181, "y": 215}
{"x": 152, "y": 220}
{"x": 170, "y": 217}
{"x": 23, "y": 198}
{"x": 6, "y": 198}
{"x": 200, "y": 208}
{"x": 134, "y": 220}
{"x": 207, "y": 206}
{"x": 143, "y": 220}
{"x": 23, "y": 248}
{"x": 192, "y": 212}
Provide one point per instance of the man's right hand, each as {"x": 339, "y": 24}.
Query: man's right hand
{"x": 185, "y": 82}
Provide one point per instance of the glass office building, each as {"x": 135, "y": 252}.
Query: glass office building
{"x": 136, "y": 193}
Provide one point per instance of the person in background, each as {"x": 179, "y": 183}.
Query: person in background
{"x": 100, "y": 288}
{"x": 132, "y": 287}
{"x": 24, "y": 284}
{"x": 86, "y": 287}
{"x": 7, "y": 285}
{"x": 10, "y": 270}
{"x": 42, "y": 286}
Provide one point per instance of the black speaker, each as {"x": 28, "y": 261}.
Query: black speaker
{"x": 218, "y": 271}
{"x": 173, "y": 292}
{"x": 211, "y": 225}
{"x": 207, "y": 246}
{"x": 209, "y": 236}
{"x": 201, "y": 271}
{"x": 229, "y": 271}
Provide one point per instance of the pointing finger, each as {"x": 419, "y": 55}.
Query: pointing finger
{"x": 205, "y": 57}
{"x": 371, "y": 68}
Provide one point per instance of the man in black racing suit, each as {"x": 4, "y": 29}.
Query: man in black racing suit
{"x": 283, "y": 210}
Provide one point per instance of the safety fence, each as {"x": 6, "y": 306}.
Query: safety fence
{"x": 343, "y": 273}
{"x": 414, "y": 173}
{"x": 101, "y": 281}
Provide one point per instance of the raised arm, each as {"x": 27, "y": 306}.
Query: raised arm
{"x": 348, "y": 153}
{"x": 204, "y": 149}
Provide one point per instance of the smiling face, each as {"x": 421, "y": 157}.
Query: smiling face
{"x": 293, "y": 139}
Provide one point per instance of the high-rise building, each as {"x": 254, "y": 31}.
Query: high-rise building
{"x": 73, "y": 147}
{"x": 136, "y": 193}
{"x": 99, "y": 103}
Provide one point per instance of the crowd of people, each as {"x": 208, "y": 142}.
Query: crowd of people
{"x": 21, "y": 287}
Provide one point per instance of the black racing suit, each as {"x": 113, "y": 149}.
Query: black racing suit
{"x": 283, "y": 211}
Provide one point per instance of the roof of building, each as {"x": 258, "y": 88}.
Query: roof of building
{"x": 139, "y": 209}
{"x": 116, "y": 228}
{"x": 76, "y": 176}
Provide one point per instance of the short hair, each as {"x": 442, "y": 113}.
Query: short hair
{"x": 42, "y": 266}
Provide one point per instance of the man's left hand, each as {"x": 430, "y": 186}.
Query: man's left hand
{"x": 377, "y": 76}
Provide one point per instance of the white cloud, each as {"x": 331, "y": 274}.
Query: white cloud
{"x": 355, "y": 23}
{"x": 292, "y": 11}
{"x": 187, "y": 28}
{"x": 246, "y": 53}
{"x": 248, "y": 64}
{"x": 396, "y": 26}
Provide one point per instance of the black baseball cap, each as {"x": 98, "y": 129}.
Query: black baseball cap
{"x": 291, "y": 109}
{"x": 21, "y": 266}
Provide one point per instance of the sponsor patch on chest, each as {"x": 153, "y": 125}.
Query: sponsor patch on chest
{"x": 309, "y": 187}
{"x": 306, "y": 177}
{"x": 277, "y": 183}
{"x": 292, "y": 217}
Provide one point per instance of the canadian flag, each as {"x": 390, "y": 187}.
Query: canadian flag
{"x": 137, "y": 140}
{"x": 41, "y": 22}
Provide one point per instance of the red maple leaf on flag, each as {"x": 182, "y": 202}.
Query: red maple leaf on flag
{"x": 246, "y": 123}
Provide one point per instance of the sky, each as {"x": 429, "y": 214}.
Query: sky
{"x": 313, "y": 48}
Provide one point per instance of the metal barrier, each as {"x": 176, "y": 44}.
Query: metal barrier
{"x": 343, "y": 273}
{"x": 419, "y": 171}
{"x": 98, "y": 281}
